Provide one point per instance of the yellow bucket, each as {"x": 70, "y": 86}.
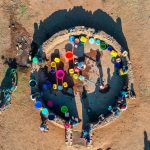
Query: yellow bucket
{"x": 75, "y": 76}
{"x": 83, "y": 39}
{"x": 71, "y": 71}
{"x": 54, "y": 86}
{"x": 57, "y": 60}
{"x": 53, "y": 64}
{"x": 113, "y": 53}
{"x": 65, "y": 84}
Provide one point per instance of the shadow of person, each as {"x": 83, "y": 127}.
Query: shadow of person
{"x": 108, "y": 75}
{"x": 78, "y": 16}
{"x": 146, "y": 142}
{"x": 11, "y": 62}
{"x": 88, "y": 114}
{"x": 100, "y": 73}
{"x": 132, "y": 91}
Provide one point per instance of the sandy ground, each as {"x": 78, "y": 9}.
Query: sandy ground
{"x": 19, "y": 125}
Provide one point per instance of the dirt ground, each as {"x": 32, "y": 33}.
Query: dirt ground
{"x": 127, "y": 20}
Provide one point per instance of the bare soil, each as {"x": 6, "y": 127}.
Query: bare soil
{"x": 127, "y": 21}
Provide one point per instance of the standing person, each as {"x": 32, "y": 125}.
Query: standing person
{"x": 44, "y": 126}
{"x": 104, "y": 88}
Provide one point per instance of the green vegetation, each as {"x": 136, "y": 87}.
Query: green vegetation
{"x": 23, "y": 10}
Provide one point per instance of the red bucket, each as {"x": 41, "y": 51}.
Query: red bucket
{"x": 69, "y": 55}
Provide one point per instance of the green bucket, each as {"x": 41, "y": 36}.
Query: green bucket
{"x": 103, "y": 45}
{"x": 64, "y": 109}
{"x": 35, "y": 60}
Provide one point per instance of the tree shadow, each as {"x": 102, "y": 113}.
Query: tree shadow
{"x": 146, "y": 142}
{"x": 78, "y": 16}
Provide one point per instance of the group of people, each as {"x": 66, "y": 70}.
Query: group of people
{"x": 121, "y": 103}
{"x": 5, "y": 92}
{"x": 87, "y": 134}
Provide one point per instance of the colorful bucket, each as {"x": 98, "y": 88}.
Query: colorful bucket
{"x": 67, "y": 114}
{"x": 83, "y": 39}
{"x": 97, "y": 41}
{"x": 60, "y": 74}
{"x": 45, "y": 111}
{"x": 57, "y": 60}
{"x": 53, "y": 64}
{"x": 77, "y": 70}
{"x": 69, "y": 55}
{"x": 103, "y": 45}
{"x": 65, "y": 84}
{"x": 35, "y": 60}
{"x": 54, "y": 86}
{"x": 51, "y": 116}
{"x": 71, "y": 38}
{"x": 75, "y": 76}
{"x": 60, "y": 87}
{"x": 38, "y": 104}
{"x": 109, "y": 48}
{"x": 91, "y": 40}
{"x": 71, "y": 71}
{"x": 82, "y": 78}
{"x": 113, "y": 53}
{"x": 52, "y": 71}
{"x": 32, "y": 83}
{"x": 64, "y": 109}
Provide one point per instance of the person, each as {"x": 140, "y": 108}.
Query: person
{"x": 67, "y": 125}
{"x": 104, "y": 88}
{"x": 44, "y": 126}
{"x": 132, "y": 92}
{"x": 124, "y": 92}
{"x": 80, "y": 65}
{"x": 120, "y": 101}
{"x": 74, "y": 121}
{"x": 101, "y": 118}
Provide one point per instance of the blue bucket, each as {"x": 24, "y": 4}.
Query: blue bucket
{"x": 38, "y": 104}
{"x": 71, "y": 38}
{"x": 109, "y": 48}
{"x": 52, "y": 71}
{"x": 51, "y": 116}
{"x": 60, "y": 87}
{"x": 98, "y": 41}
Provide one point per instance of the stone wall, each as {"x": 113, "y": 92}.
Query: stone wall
{"x": 61, "y": 36}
